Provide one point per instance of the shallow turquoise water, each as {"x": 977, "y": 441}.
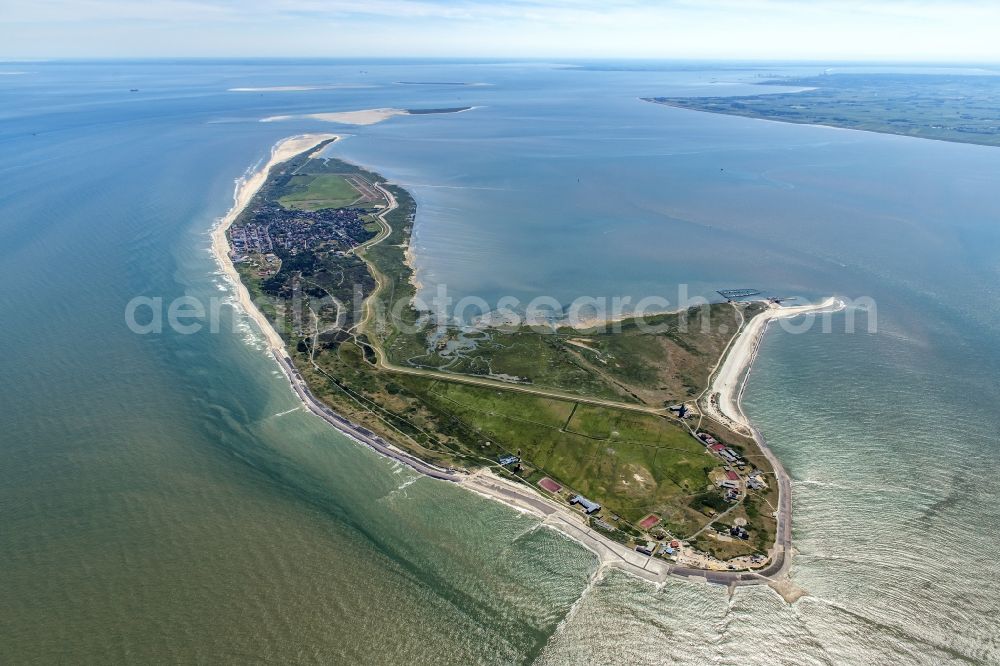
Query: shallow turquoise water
{"x": 158, "y": 503}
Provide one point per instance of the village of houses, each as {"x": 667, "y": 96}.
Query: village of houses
{"x": 734, "y": 477}
{"x": 272, "y": 230}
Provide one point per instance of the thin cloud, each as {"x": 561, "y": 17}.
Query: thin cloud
{"x": 849, "y": 29}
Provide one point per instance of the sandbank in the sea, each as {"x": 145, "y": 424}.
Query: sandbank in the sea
{"x": 363, "y": 116}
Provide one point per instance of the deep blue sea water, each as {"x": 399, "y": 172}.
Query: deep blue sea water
{"x": 157, "y": 502}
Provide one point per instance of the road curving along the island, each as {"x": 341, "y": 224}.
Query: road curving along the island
{"x": 382, "y": 361}
{"x": 734, "y": 352}
{"x": 520, "y": 495}
{"x": 610, "y": 554}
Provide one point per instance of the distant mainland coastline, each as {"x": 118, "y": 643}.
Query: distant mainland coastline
{"x": 942, "y": 107}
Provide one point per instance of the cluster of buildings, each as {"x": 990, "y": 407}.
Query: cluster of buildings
{"x": 273, "y": 228}
{"x": 668, "y": 550}
{"x": 739, "y": 532}
{"x": 729, "y": 455}
{"x": 251, "y": 238}
{"x": 723, "y": 451}
{"x": 733, "y": 482}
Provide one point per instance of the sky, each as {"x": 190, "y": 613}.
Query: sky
{"x": 908, "y": 30}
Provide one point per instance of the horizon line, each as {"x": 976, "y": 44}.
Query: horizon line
{"x": 500, "y": 58}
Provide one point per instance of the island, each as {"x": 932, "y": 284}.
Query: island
{"x": 368, "y": 116}
{"x": 946, "y": 107}
{"x": 628, "y": 438}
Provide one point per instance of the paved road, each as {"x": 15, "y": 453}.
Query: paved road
{"x": 783, "y": 535}
{"x": 526, "y": 496}
{"x": 383, "y": 361}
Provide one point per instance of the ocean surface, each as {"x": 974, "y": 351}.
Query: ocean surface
{"x": 164, "y": 500}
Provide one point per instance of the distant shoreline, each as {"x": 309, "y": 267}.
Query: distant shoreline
{"x": 755, "y": 114}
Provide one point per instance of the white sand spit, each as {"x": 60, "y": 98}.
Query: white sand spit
{"x": 728, "y": 383}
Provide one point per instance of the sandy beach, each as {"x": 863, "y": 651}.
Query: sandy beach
{"x": 728, "y": 383}
{"x": 723, "y": 404}
{"x": 246, "y": 188}
{"x": 410, "y": 259}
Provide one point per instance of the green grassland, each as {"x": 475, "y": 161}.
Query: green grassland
{"x": 665, "y": 362}
{"x": 315, "y": 192}
{"x": 946, "y": 107}
{"x": 633, "y": 463}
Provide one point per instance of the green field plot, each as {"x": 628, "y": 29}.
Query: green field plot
{"x": 633, "y": 464}
{"x": 621, "y": 425}
{"x": 666, "y": 362}
{"x": 319, "y": 191}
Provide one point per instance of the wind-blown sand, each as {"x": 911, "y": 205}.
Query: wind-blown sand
{"x": 728, "y": 384}
{"x": 246, "y": 188}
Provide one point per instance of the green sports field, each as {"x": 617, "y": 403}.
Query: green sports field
{"x": 315, "y": 192}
